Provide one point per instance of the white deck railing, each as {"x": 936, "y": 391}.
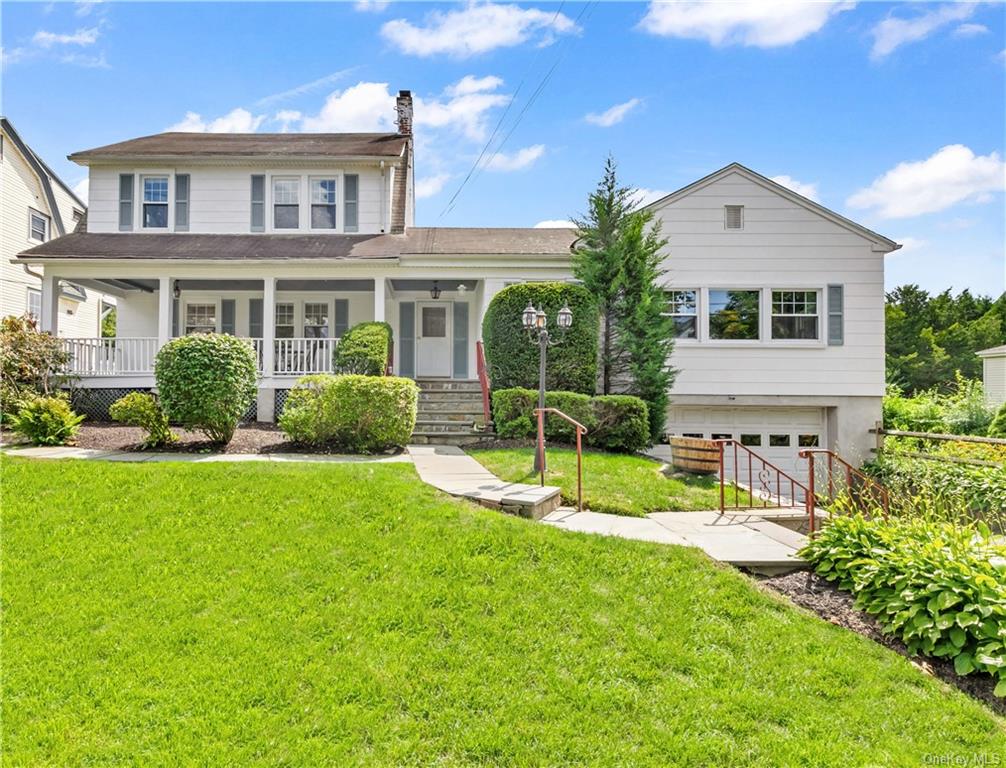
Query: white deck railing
{"x": 133, "y": 356}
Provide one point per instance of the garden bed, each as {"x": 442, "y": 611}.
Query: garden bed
{"x": 810, "y": 591}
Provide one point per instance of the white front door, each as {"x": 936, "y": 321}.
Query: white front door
{"x": 433, "y": 339}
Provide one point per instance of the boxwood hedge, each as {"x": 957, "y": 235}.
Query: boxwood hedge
{"x": 354, "y": 413}
{"x": 364, "y": 349}
{"x": 513, "y": 361}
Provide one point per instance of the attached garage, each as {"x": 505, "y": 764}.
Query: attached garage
{"x": 775, "y": 433}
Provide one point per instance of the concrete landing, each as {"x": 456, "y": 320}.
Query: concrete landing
{"x": 451, "y": 470}
{"x": 745, "y": 541}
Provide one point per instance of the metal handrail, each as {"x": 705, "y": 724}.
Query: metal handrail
{"x": 483, "y": 374}
{"x": 580, "y": 432}
{"x": 781, "y": 478}
{"x": 850, "y": 472}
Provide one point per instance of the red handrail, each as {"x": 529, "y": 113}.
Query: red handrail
{"x": 580, "y": 432}
{"x": 742, "y": 457}
{"x": 879, "y": 494}
{"x": 483, "y": 374}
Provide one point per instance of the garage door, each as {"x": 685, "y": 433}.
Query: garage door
{"x": 775, "y": 434}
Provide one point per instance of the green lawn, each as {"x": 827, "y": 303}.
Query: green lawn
{"x": 624, "y": 485}
{"x": 278, "y": 614}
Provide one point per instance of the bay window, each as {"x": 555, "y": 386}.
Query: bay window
{"x": 733, "y": 314}
{"x": 795, "y": 315}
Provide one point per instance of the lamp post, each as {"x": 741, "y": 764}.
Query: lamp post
{"x": 536, "y": 324}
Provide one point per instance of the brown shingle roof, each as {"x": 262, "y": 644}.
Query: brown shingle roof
{"x": 417, "y": 241}
{"x": 291, "y": 145}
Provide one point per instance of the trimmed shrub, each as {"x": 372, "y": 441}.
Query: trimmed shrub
{"x": 351, "y": 412}
{"x": 621, "y": 423}
{"x": 47, "y": 421}
{"x": 140, "y": 409}
{"x": 513, "y": 361}
{"x": 614, "y": 422}
{"x": 935, "y": 586}
{"x": 30, "y": 363}
{"x": 364, "y": 349}
{"x": 206, "y": 382}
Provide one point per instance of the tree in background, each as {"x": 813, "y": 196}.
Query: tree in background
{"x": 930, "y": 338}
{"x": 618, "y": 260}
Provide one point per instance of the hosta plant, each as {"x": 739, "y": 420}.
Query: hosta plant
{"x": 938, "y": 587}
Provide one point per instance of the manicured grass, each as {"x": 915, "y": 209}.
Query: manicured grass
{"x": 268, "y": 614}
{"x": 612, "y": 482}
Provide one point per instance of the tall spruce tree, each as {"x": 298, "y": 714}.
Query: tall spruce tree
{"x": 645, "y": 331}
{"x": 597, "y": 263}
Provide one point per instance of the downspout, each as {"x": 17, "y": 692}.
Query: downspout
{"x": 384, "y": 189}
{"x": 33, "y": 274}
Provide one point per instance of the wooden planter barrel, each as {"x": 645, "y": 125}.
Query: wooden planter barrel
{"x": 693, "y": 454}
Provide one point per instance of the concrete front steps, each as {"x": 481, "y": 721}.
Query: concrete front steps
{"x": 450, "y": 413}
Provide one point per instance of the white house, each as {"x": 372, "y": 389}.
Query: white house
{"x": 994, "y": 374}
{"x": 35, "y": 207}
{"x": 288, "y": 239}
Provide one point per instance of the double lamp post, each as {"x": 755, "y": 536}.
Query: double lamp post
{"x": 536, "y": 324}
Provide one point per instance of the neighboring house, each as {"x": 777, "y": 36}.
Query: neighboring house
{"x": 35, "y": 207}
{"x": 994, "y": 374}
{"x": 289, "y": 239}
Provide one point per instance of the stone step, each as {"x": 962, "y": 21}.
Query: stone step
{"x": 447, "y": 417}
{"x": 449, "y": 385}
{"x": 469, "y": 409}
{"x": 450, "y": 395}
{"x": 468, "y": 438}
{"x": 458, "y": 427}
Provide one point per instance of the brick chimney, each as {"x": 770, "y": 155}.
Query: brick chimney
{"x": 403, "y": 106}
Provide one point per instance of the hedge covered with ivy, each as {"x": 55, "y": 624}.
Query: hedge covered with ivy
{"x": 513, "y": 360}
{"x": 364, "y": 349}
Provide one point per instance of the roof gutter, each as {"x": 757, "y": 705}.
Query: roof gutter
{"x": 86, "y": 159}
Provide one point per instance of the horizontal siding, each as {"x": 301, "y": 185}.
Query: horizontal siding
{"x": 995, "y": 380}
{"x": 782, "y": 245}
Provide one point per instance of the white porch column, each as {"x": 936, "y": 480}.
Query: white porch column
{"x": 269, "y": 326}
{"x": 49, "y": 321}
{"x": 379, "y": 299}
{"x": 165, "y": 298}
{"x": 489, "y": 289}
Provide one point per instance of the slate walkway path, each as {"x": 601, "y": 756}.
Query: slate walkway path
{"x": 69, "y": 452}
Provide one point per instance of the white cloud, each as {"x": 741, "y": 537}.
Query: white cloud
{"x": 475, "y": 29}
{"x": 808, "y": 190}
{"x": 555, "y": 224}
{"x": 84, "y": 7}
{"x": 909, "y": 244}
{"x": 286, "y": 118}
{"x": 515, "y": 161}
{"x": 761, "y": 23}
{"x": 893, "y": 32}
{"x": 362, "y": 107}
{"x": 81, "y": 188}
{"x": 13, "y": 55}
{"x": 304, "y": 88}
{"x": 970, "y": 30}
{"x": 45, "y": 39}
{"x": 614, "y": 115}
{"x": 952, "y": 175}
{"x": 83, "y": 60}
{"x": 236, "y": 121}
{"x": 642, "y": 196}
{"x": 431, "y": 185}
{"x": 371, "y": 6}
{"x": 471, "y": 84}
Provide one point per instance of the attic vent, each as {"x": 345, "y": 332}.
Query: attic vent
{"x": 733, "y": 216}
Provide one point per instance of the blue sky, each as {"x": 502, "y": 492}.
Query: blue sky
{"x": 892, "y": 114}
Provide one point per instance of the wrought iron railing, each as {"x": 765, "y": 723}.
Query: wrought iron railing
{"x": 836, "y": 484}
{"x": 749, "y": 482}
{"x": 580, "y": 432}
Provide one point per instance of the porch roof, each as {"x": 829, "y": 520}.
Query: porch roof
{"x": 196, "y": 247}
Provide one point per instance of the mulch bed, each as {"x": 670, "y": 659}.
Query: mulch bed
{"x": 814, "y": 593}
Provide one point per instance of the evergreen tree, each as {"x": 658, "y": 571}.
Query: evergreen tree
{"x": 646, "y": 332}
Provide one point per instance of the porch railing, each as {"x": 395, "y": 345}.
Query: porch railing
{"x": 135, "y": 356}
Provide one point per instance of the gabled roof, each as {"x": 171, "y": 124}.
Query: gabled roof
{"x": 44, "y": 173}
{"x": 267, "y": 145}
{"x": 782, "y": 191}
{"x": 993, "y": 352}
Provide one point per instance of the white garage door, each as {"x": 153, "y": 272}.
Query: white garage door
{"x": 775, "y": 434}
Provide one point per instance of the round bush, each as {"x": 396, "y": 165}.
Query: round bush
{"x": 140, "y": 409}
{"x": 513, "y": 360}
{"x": 47, "y": 421}
{"x": 355, "y": 413}
{"x": 364, "y": 349}
{"x": 206, "y": 382}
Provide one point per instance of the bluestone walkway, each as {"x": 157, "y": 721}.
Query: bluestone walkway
{"x": 69, "y": 452}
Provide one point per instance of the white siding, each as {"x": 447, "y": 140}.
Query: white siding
{"x": 220, "y": 197}
{"x": 994, "y": 369}
{"x": 782, "y": 245}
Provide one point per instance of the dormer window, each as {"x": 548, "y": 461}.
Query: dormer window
{"x": 323, "y": 203}
{"x": 155, "y": 202}
{"x": 286, "y": 203}
{"x": 733, "y": 217}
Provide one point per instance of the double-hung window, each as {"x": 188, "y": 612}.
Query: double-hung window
{"x": 683, "y": 307}
{"x": 323, "y": 203}
{"x": 200, "y": 318}
{"x": 795, "y": 315}
{"x": 733, "y": 314}
{"x": 286, "y": 203}
{"x": 316, "y": 320}
{"x": 38, "y": 225}
{"x": 284, "y": 320}
{"x": 155, "y": 202}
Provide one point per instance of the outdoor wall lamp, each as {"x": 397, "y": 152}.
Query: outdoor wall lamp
{"x": 435, "y": 290}
{"x": 177, "y": 290}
